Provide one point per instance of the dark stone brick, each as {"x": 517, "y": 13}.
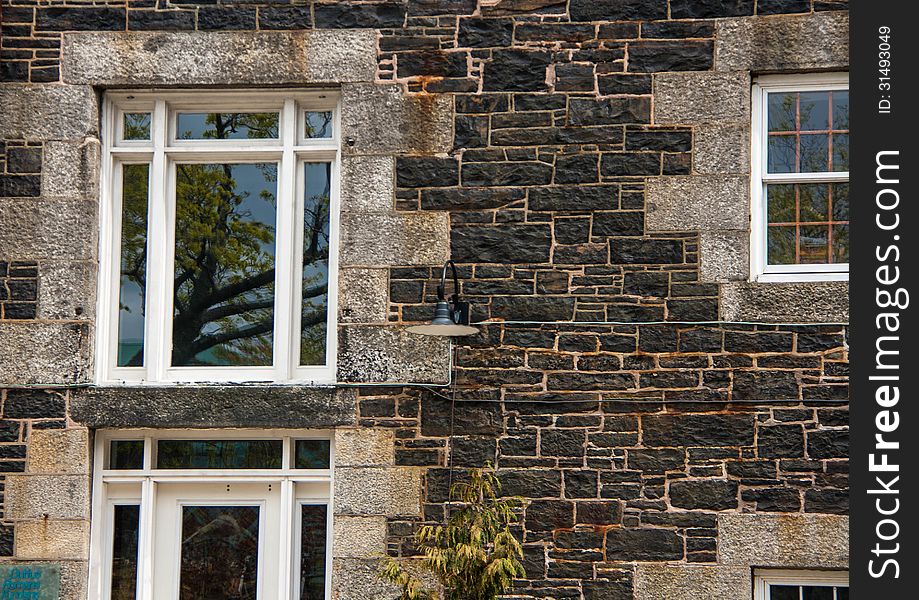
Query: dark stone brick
{"x": 408, "y": 292}
{"x": 602, "y": 512}
{"x": 13, "y": 186}
{"x": 17, "y": 14}
{"x": 433, "y": 63}
{"x": 523, "y": 445}
{"x": 556, "y": 135}
{"x": 701, "y": 340}
{"x": 533, "y": 309}
{"x": 350, "y": 16}
{"x": 473, "y": 452}
{"x": 581, "y": 539}
{"x": 479, "y": 104}
{"x": 590, "y": 381}
{"x": 284, "y": 17}
{"x": 584, "y": 254}
{"x": 562, "y": 32}
{"x": 225, "y": 18}
{"x": 618, "y": 10}
{"x": 33, "y": 404}
{"x": 692, "y": 310}
{"x": 828, "y": 500}
{"x": 423, "y": 8}
{"x": 547, "y": 515}
{"x": 470, "y": 131}
{"x": 821, "y": 5}
{"x": 469, "y": 198}
{"x": 574, "y": 77}
{"x": 516, "y": 71}
{"x": 20, "y": 310}
{"x": 23, "y": 160}
{"x": 623, "y": 84}
{"x": 828, "y": 443}
{"x": 426, "y": 171}
{"x": 45, "y": 75}
{"x": 645, "y": 251}
{"x": 469, "y": 418}
{"x": 577, "y": 168}
{"x": 644, "y": 283}
{"x": 609, "y": 111}
{"x": 776, "y": 7}
{"x": 643, "y": 544}
{"x": 654, "y": 57}
{"x": 485, "y": 33}
{"x": 630, "y": 164}
{"x": 170, "y": 20}
{"x": 657, "y": 338}
{"x": 676, "y": 29}
{"x": 651, "y": 139}
{"x": 581, "y": 484}
{"x": 6, "y": 540}
{"x": 81, "y": 18}
{"x": 817, "y": 342}
{"x": 14, "y": 70}
{"x": 765, "y": 341}
{"x": 705, "y": 9}
{"x": 22, "y": 290}
{"x": 531, "y": 483}
{"x": 506, "y": 174}
{"x": 529, "y": 338}
{"x": 512, "y": 243}
{"x": 526, "y": 102}
{"x": 669, "y": 379}
{"x": 780, "y": 441}
{"x": 765, "y": 385}
{"x": 697, "y": 430}
{"x": 709, "y": 494}
{"x": 562, "y": 442}
{"x": 657, "y": 461}
{"x": 773, "y": 499}
{"x": 9, "y": 431}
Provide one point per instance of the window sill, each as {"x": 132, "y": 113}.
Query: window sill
{"x": 799, "y": 277}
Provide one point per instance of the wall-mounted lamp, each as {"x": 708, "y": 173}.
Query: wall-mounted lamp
{"x": 450, "y": 318}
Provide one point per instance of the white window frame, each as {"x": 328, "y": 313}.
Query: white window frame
{"x": 290, "y": 152}
{"x": 146, "y": 479}
{"x": 763, "y": 578}
{"x": 759, "y": 270}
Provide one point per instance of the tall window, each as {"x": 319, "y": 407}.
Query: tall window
{"x": 800, "y": 225}
{"x": 801, "y": 585}
{"x": 219, "y": 237}
{"x": 193, "y": 515}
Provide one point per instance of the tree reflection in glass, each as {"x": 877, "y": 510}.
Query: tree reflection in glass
{"x": 315, "y": 284}
{"x": 219, "y": 553}
{"x": 133, "y": 283}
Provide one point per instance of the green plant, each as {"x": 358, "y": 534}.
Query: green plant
{"x": 474, "y": 556}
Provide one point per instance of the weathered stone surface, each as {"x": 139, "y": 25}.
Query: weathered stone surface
{"x": 48, "y": 112}
{"x": 724, "y": 256}
{"x": 697, "y": 430}
{"x": 51, "y": 353}
{"x": 787, "y": 43}
{"x": 67, "y": 290}
{"x": 359, "y": 579}
{"x": 36, "y": 229}
{"x": 380, "y": 119}
{"x": 485, "y": 33}
{"x": 363, "y": 447}
{"x": 516, "y": 71}
{"x": 722, "y": 149}
{"x": 52, "y": 539}
{"x": 690, "y": 582}
{"x": 501, "y": 244}
{"x": 469, "y": 198}
{"x": 47, "y": 496}
{"x": 34, "y": 404}
{"x": 367, "y": 184}
{"x": 643, "y": 544}
{"x": 683, "y": 98}
{"x": 575, "y": 198}
{"x": 645, "y": 251}
{"x": 358, "y": 537}
{"x": 346, "y": 15}
{"x": 618, "y": 10}
{"x": 609, "y": 111}
{"x": 533, "y": 309}
{"x": 363, "y": 295}
{"x": 224, "y": 58}
{"x": 71, "y": 168}
{"x": 377, "y": 354}
{"x": 394, "y": 239}
{"x": 698, "y": 203}
{"x": 426, "y": 171}
{"x": 654, "y": 57}
{"x": 59, "y": 451}
{"x": 390, "y": 491}
{"x": 506, "y": 174}
{"x": 470, "y": 418}
{"x": 81, "y": 18}
{"x": 706, "y": 494}
{"x": 213, "y": 406}
{"x": 706, "y": 9}
{"x": 805, "y": 302}
{"x": 775, "y": 540}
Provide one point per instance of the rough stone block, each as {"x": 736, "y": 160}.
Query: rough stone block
{"x": 71, "y": 168}
{"x": 363, "y": 447}
{"x": 359, "y": 579}
{"x": 786, "y": 43}
{"x": 380, "y": 119}
{"x": 380, "y": 354}
{"x": 394, "y": 239}
{"x": 684, "y": 98}
{"x": 775, "y": 540}
{"x": 367, "y": 184}
{"x": 724, "y": 256}
{"x": 64, "y": 451}
{"x": 803, "y": 302}
{"x": 358, "y": 537}
{"x": 52, "y": 539}
{"x": 48, "y": 112}
{"x": 389, "y": 491}
{"x": 699, "y": 203}
{"x": 49, "y": 353}
{"x": 686, "y": 582}
{"x": 224, "y": 58}
{"x": 722, "y": 149}
{"x": 363, "y": 295}
{"x": 36, "y": 229}
{"x": 57, "y": 496}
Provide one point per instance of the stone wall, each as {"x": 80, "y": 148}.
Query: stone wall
{"x": 585, "y": 163}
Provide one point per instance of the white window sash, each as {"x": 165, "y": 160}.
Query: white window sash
{"x": 763, "y": 578}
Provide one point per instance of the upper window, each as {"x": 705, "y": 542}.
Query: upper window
{"x": 219, "y": 237}
{"x": 800, "y": 226}
{"x": 801, "y": 585}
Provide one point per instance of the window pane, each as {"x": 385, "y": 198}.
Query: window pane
{"x": 840, "y": 201}
{"x": 781, "y": 152}
{"x": 124, "y": 551}
{"x": 312, "y": 454}
{"x": 840, "y": 151}
{"x": 842, "y": 593}
{"x": 781, "y": 203}
{"x": 813, "y": 245}
{"x": 133, "y": 269}
{"x": 223, "y": 310}
{"x": 126, "y": 454}
{"x": 815, "y": 202}
{"x": 784, "y": 592}
{"x": 812, "y": 592}
{"x": 312, "y": 552}
{"x": 815, "y": 111}
{"x": 815, "y": 153}
{"x": 782, "y": 109}
{"x": 219, "y": 553}
{"x": 840, "y": 244}
{"x": 318, "y": 124}
{"x": 218, "y": 454}
{"x": 315, "y": 283}
{"x": 136, "y": 126}
{"x": 227, "y": 126}
{"x": 781, "y": 245}
{"x": 841, "y": 110}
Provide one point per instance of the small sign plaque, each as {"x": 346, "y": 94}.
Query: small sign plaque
{"x": 30, "y": 581}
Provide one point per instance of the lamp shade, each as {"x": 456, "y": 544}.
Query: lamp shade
{"x": 443, "y": 323}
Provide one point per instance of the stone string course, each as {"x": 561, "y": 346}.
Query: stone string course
{"x": 567, "y": 165}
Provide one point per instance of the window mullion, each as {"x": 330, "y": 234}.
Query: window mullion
{"x": 286, "y": 556}
{"x": 158, "y": 313}
{"x": 285, "y": 308}
{"x": 146, "y": 542}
